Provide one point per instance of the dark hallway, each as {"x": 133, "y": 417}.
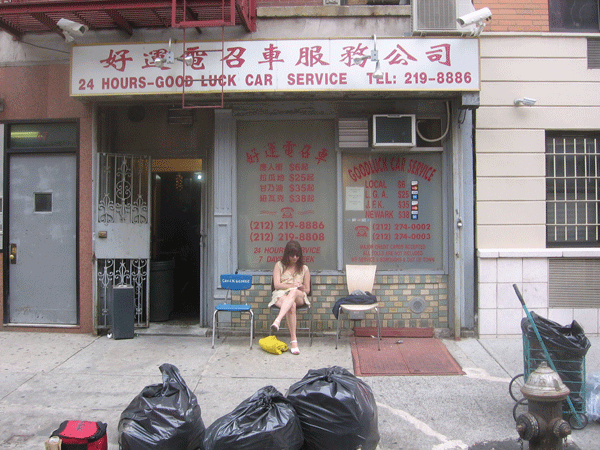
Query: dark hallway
{"x": 176, "y": 241}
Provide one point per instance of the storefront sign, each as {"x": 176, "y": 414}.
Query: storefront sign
{"x": 408, "y": 64}
{"x": 286, "y": 191}
{"x": 393, "y": 210}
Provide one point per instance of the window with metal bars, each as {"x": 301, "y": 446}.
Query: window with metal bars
{"x": 572, "y": 189}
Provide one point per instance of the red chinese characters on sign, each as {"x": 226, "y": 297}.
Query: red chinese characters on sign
{"x": 273, "y": 183}
{"x": 322, "y": 156}
{"x": 440, "y": 53}
{"x": 305, "y": 152}
{"x": 117, "y": 60}
{"x": 399, "y": 56}
{"x": 271, "y": 167}
{"x": 270, "y": 177}
{"x": 197, "y": 57}
{"x": 234, "y": 58}
{"x": 406, "y": 64}
{"x": 283, "y": 189}
{"x": 272, "y": 151}
{"x": 311, "y": 56}
{"x": 271, "y": 55}
{"x": 152, "y": 55}
{"x": 307, "y": 56}
{"x": 352, "y": 52}
{"x": 288, "y": 148}
{"x": 252, "y": 156}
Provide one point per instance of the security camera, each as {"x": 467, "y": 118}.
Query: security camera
{"x": 475, "y": 17}
{"x": 72, "y": 28}
{"x": 525, "y": 101}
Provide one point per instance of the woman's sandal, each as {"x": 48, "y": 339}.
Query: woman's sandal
{"x": 294, "y": 350}
{"x": 275, "y": 326}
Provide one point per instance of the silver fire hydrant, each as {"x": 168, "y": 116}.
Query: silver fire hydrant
{"x": 542, "y": 425}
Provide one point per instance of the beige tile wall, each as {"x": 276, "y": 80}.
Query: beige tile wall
{"x": 500, "y": 311}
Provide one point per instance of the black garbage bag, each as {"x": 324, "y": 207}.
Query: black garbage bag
{"x": 337, "y": 410}
{"x": 567, "y": 346}
{"x": 162, "y": 417}
{"x": 264, "y": 421}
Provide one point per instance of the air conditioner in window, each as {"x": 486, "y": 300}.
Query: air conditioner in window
{"x": 393, "y": 131}
{"x": 439, "y": 16}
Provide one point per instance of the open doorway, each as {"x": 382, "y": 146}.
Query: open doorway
{"x": 175, "y": 265}
{"x": 164, "y": 283}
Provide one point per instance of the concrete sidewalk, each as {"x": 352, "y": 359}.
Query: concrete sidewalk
{"x": 46, "y": 378}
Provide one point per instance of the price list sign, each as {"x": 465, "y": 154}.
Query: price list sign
{"x": 393, "y": 210}
{"x": 286, "y": 191}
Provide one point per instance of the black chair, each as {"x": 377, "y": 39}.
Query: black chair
{"x": 299, "y": 309}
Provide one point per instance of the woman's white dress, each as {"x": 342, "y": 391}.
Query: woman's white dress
{"x": 288, "y": 277}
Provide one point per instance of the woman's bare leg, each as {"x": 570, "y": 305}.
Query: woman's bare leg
{"x": 284, "y": 304}
{"x": 291, "y": 321}
{"x": 287, "y": 308}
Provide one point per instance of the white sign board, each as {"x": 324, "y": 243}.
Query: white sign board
{"x": 408, "y": 64}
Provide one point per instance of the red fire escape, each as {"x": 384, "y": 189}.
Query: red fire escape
{"x": 19, "y": 17}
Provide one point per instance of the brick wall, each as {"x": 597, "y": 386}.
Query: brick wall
{"x": 508, "y": 15}
{"x": 516, "y": 15}
{"x": 394, "y": 293}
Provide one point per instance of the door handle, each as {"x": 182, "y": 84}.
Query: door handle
{"x": 12, "y": 255}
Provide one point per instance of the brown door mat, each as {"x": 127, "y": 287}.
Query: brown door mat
{"x": 408, "y": 356}
{"x": 394, "y": 332}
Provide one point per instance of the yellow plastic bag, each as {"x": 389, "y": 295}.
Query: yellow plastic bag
{"x": 273, "y": 345}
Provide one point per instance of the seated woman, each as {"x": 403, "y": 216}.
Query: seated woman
{"x": 291, "y": 282}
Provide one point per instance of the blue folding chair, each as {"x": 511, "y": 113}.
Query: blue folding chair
{"x": 233, "y": 282}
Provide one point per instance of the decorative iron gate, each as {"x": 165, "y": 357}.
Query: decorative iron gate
{"x": 122, "y": 235}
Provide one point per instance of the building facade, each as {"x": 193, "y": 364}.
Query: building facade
{"x": 537, "y": 153}
{"x": 354, "y": 134}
